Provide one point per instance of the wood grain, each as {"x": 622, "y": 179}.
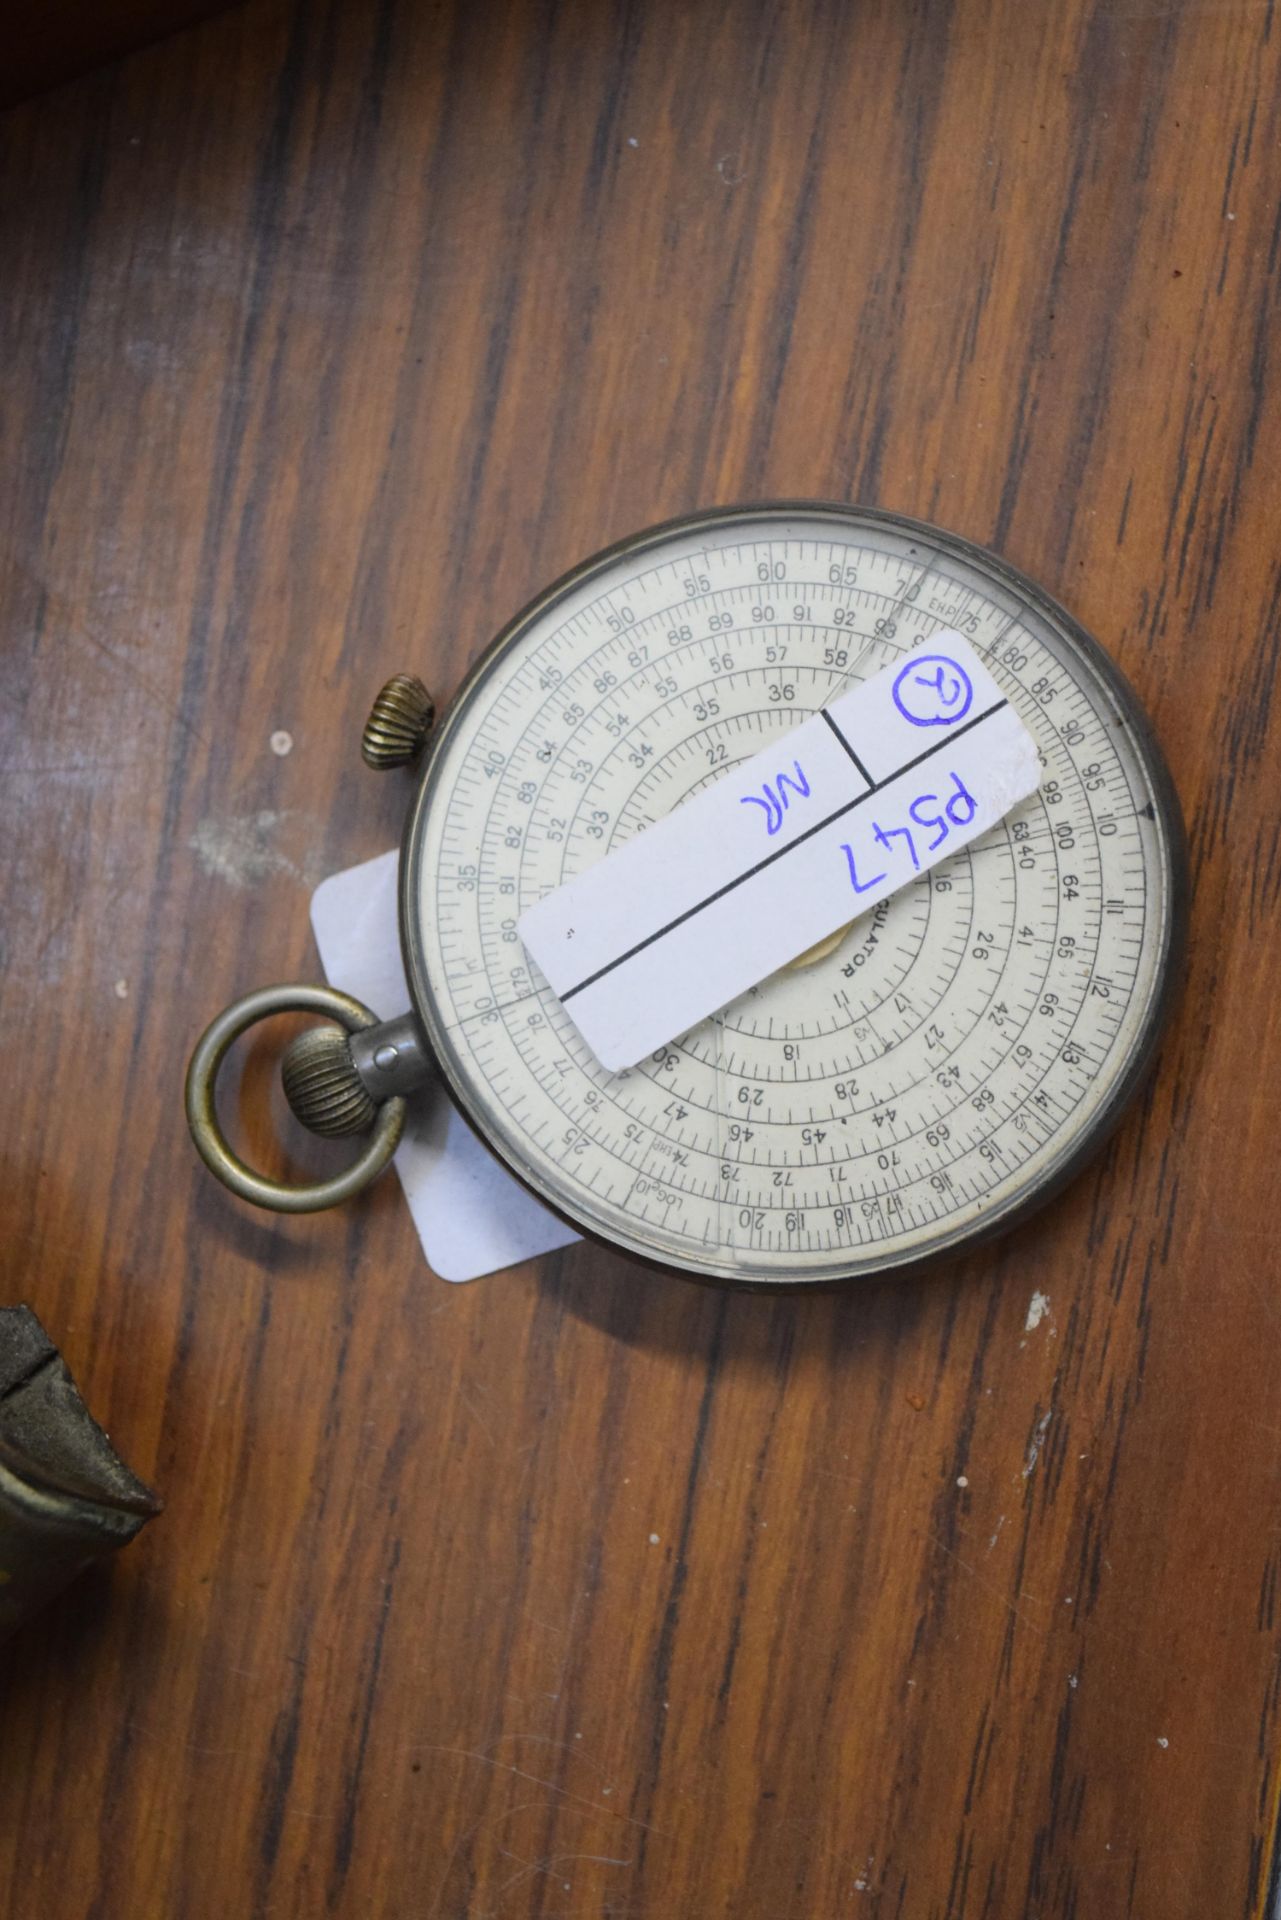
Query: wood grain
{"x": 329, "y": 333}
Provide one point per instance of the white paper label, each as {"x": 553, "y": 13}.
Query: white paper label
{"x": 893, "y": 777}
{"x": 472, "y": 1216}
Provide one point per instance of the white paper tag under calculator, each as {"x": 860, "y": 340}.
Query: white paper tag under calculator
{"x": 472, "y": 1216}
{"x": 891, "y": 778}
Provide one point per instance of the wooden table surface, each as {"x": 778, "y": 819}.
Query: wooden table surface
{"x": 329, "y": 333}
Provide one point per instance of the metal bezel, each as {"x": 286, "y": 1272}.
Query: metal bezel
{"x": 1172, "y": 933}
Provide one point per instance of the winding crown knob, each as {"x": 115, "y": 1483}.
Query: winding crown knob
{"x": 322, "y": 1085}
{"x": 398, "y": 724}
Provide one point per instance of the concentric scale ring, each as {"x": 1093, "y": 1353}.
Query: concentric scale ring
{"x": 961, "y": 1048}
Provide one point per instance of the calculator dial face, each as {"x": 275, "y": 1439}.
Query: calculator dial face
{"x": 952, "y": 1057}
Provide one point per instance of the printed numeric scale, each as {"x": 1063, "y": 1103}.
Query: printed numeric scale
{"x": 708, "y": 901}
{"x": 960, "y": 960}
